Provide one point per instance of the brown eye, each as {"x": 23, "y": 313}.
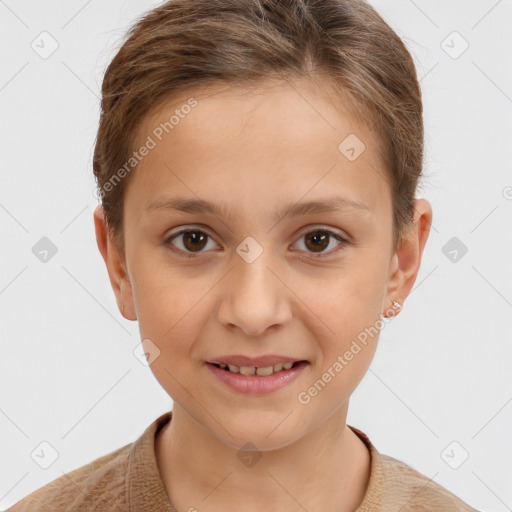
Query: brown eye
{"x": 192, "y": 240}
{"x": 318, "y": 240}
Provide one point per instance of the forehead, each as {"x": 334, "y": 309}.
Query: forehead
{"x": 280, "y": 137}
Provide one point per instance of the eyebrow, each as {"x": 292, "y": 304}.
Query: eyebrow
{"x": 191, "y": 205}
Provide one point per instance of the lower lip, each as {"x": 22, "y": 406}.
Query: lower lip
{"x": 255, "y": 384}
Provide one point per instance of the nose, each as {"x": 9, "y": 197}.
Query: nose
{"x": 254, "y": 297}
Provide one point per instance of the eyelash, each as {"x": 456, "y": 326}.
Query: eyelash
{"x": 343, "y": 241}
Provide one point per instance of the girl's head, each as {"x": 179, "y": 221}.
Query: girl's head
{"x": 224, "y": 118}
{"x": 184, "y": 45}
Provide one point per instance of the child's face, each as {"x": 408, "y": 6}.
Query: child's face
{"x": 253, "y": 154}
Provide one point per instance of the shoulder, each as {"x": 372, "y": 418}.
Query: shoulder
{"x": 101, "y": 483}
{"x": 416, "y": 492}
{"x": 394, "y": 485}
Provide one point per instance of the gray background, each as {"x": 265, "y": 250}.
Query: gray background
{"x": 68, "y": 374}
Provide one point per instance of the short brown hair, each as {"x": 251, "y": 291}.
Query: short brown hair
{"x": 184, "y": 44}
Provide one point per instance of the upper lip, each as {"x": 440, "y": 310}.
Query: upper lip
{"x": 257, "y": 362}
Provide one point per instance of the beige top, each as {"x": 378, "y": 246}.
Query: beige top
{"x": 128, "y": 479}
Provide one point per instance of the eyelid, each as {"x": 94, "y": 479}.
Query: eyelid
{"x": 324, "y": 227}
{"x": 192, "y": 227}
{"x": 344, "y": 240}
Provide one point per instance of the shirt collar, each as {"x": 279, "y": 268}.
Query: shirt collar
{"x": 372, "y": 497}
{"x": 146, "y": 490}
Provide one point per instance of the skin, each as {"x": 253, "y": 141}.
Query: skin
{"x": 254, "y": 150}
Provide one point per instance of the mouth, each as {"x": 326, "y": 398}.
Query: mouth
{"x": 264, "y": 371}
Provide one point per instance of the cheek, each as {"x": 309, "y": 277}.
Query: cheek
{"x": 345, "y": 301}
{"x": 172, "y": 324}
{"x": 166, "y": 308}
{"x": 345, "y": 357}
{"x": 344, "y": 316}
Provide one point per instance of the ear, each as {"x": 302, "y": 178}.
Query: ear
{"x": 116, "y": 267}
{"x": 405, "y": 264}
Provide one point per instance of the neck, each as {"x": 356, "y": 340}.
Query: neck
{"x": 329, "y": 465}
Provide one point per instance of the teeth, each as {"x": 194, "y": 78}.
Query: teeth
{"x": 252, "y": 370}
{"x": 268, "y": 370}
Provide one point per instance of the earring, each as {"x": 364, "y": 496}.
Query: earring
{"x": 396, "y": 305}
